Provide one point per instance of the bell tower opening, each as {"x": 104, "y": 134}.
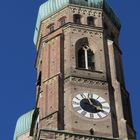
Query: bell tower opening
{"x": 86, "y": 58}
{"x": 84, "y": 55}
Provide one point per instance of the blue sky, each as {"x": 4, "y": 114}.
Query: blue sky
{"x": 17, "y": 58}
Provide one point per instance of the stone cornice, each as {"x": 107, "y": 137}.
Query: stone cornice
{"x": 74, "y": 28}
{"x": 86, "y": 82}
{"x": 84, "y": 10}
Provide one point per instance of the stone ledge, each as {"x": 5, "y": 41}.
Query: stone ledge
{"x": 46, "y": 134}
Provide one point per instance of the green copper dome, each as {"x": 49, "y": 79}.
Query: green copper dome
{"x": 51, "y": 6}
{"x": 23, "y": 124}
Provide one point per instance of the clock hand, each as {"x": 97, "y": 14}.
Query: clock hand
{"x": 97, "y": 107}
{"x": 88, "y": 99}
{"x": 90, "y": 102}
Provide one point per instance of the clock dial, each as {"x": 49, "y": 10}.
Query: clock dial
{"x": 91, "y": 105}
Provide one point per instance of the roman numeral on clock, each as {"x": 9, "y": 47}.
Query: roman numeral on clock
{"x": 103, "y": 102}
{"x": 90, "y": 95}
{"x": 75, "y": 103}
{"x": 104, "y": 112}
{"x": 98, "y": 97}
{"x": 83, "y": 113}
{"x": 91, "y": 115}
{"x": 77, "y": 98}
{"x": 105, "y": 107}
{"x": 99, "y": 115}
{"x": 77, "y": 108}
{"x": 83, "y": 96}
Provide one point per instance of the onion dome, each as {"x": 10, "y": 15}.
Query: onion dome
{"x": 52, "y": 6}
{"x": 23, "y": 124}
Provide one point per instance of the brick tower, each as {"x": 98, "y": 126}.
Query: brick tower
{"x": 81, "y": 91}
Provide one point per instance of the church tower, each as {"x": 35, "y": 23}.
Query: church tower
{"x": 80, "y": 88}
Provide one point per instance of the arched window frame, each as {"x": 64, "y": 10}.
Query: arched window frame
{"x": 77, "y": 18}
{"x": 62, "y": 21}
{"x": 51, "y": 27}
{"x": 85, "y": 56}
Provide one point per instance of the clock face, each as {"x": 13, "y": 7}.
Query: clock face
{"x": 90, "y": 105}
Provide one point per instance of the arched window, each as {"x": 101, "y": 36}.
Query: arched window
{"x": 77, "y": 18}
{"x": 90, "y": 21}
{"x": 81, "y": 58}
{"x": 51, "y": 27}
{"x": 91, "y": 63}
{"x": 86, "y": 58}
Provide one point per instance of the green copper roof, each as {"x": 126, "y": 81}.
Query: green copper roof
{"x": 51, "y": 6}
{"x": 23, "y": 124}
